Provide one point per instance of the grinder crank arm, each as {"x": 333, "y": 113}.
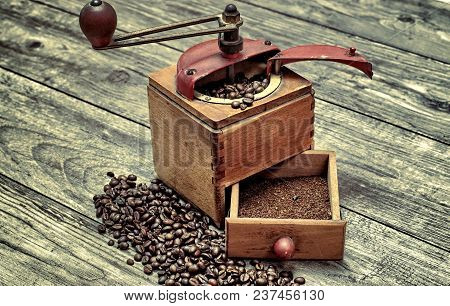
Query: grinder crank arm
{"x": 347, "y": 56}
{"x": 119, "y": 42}
{"x": 98, "y": 21}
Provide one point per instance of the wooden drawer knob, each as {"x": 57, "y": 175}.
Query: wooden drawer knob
{"x": 284, "y": 248}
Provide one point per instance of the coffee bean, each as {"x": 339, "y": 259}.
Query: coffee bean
{"x": 148, "y": 269}
{"x": 162, "y": 280}
{"x": 173, "y": 268}
{"x": 194, "y": 282}
{"x": 184, "y": 281}
{"x": 299, "y": 280}
{"x": 235, "y": 104}
{"x": 286, "y": 274}
{"x": 259, "y": 89}
{"x": 249, "y": 96}
{"x": 261, "y": 281}
{"x": 123, "y": 246}
{"x": 247, "y": 101}
{"x": 212, "y": 282}
{"x": 193, "y": 269}
{"x": 111, "y": 242}
{"x": 243, "y": 106}
{"x": 130, "y": 262}
{"x": 137, "y": 257}
{"x": 101, "y": 229}
{"x": 110, "y": 174}
{"x": 244, "y": 278}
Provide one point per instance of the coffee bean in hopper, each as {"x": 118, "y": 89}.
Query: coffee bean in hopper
{"x": 174, "y": 239}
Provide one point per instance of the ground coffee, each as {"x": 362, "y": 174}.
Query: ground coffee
{"x": 285, "y": 198}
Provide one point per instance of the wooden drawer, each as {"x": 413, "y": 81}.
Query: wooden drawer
{"x": 313, "y": 239}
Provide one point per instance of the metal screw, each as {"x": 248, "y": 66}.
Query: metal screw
{"x": 267, "y": 42}
{"x": 191, "y": 71}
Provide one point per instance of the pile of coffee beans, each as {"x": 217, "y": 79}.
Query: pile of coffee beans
{"x": 242, "y": 91}
{"x": 173, "y": 239}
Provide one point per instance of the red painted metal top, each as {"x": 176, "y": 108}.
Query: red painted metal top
{"x": 205, "y": 58}
{"x": 347, "y": 56}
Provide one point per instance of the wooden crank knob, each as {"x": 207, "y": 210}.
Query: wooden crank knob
{"x": 98, "y": 21}
{"x": 284, "y": 248}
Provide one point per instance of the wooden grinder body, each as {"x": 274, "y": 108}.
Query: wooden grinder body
{"x": 200, "y": 148}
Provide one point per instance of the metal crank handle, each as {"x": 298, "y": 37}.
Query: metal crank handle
{"x": 98, "y": 21}
{"x": 118, "y": 43}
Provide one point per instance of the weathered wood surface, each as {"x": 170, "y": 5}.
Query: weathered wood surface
{"x": 61, "y": 144}
{"x": 43, "y": 242}
{"x": 405, "y": 173}
{"x": 403, "y": 87}
{"x": 415, "y": 26}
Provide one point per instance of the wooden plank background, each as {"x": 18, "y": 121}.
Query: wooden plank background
{"x": 68, "y": 114}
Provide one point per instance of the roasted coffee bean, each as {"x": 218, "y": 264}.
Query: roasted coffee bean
{"x": 243, "y": 106}
{"x": 145, "y": 259}
{"x": 235, "y": 104}
{"x": 123, "y": 246}
{"x": 130, "y": 262}
{"x": 193, "y": 269}
{"x": 194, "y": 282}
{"x": 212, "y": 282}
{"x": 244, "y": 278}
{"x": 137, "y": 257}
{"x": 259, "y": 89}
{"x": 286, "y": 274}
{"x": 111, "y": 242}
{"x": 261, "y": 281}
{"x": 101, "y": 229}
{"x": 249, "y": 96}
{"x": 299, "y": 280}
{"x": 162, "y": 280}
{"x": 173, "y": 268}
{"x": 148, "y": 269}
{"x": 247, "y": 101}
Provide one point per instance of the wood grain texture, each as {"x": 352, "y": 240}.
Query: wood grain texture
{"x": 404, "y": 87}
{"x": 401, "y": 186}
{"x": 45, "y": 243}
{"x": 42, "y": 242}
{"x": 258, "y": 142}
{"x": 61, "y": 146}
{"x": 376, "y": 254}
{"x": 420, "y": 27}
{"x": 313, "y": 239}
{"x": 183, "y": 154}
